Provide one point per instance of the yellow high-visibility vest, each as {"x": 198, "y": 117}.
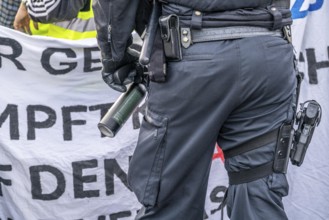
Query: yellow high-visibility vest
{"x": 81, "y": 27}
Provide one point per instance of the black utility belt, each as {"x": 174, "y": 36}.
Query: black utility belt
{"x": 174, "y": 37}
{"x": 189, "y": 36}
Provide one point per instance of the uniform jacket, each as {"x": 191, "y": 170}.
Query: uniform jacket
{"x": 116, "y": 19}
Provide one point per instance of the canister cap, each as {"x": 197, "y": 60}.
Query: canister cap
{"x": 110, "y": 128}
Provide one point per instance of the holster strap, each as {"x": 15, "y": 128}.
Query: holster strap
{"x": 255, "y": 143}
{"x": 255, "y": 173}
{"x": 249, "y": 175}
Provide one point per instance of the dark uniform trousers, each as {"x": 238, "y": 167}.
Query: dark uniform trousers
{"x": 229, "y": 92}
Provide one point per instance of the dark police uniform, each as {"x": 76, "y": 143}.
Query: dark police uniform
{"x": 228, "y": 91}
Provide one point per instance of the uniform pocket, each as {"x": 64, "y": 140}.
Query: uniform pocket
{"x": 144, "y": 174}
{"x": 278, "y": 184}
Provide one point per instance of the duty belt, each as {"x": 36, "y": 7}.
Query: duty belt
{"x": 190, "y": 36}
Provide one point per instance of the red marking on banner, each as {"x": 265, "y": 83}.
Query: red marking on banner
{"x": 218, "y": 154}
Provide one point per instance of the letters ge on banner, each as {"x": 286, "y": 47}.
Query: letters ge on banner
{"x": 14, "y": 51}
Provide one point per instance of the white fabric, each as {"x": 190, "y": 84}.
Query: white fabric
{"x": 81, "y": 174}
{"x": 34, "y": 87}
{"x": 309, "y": 184}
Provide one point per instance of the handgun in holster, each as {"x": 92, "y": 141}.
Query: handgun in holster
{"x": 293, "y": 143}
{"x": 307, "y": 119}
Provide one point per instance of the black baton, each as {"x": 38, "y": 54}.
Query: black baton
{"x": 150, "y": 33}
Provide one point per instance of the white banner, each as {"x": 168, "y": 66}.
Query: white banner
{"x": 54, "y": 163}
{"x": 309, "y": 184}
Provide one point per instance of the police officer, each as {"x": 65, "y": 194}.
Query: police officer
{"x": 232, "y": 82}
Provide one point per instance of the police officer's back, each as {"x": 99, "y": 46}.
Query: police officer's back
{"x": 216, "y": 75}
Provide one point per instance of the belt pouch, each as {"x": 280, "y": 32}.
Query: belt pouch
{"x": 169, "y": 27}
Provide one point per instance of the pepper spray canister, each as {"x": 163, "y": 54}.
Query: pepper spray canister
{"x": 121, "y": 110}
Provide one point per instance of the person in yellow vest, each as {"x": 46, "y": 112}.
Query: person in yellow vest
{"x": 64, "y": 19}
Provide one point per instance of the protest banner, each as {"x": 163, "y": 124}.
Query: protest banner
{"x": 56, "y": 165}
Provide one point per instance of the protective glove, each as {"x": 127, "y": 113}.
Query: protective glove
{"x": 119, "y": 74}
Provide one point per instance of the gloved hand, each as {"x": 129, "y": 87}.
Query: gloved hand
{"x": 119, "y": 74}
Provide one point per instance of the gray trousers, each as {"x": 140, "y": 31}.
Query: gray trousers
{"x": 222, "y": 91}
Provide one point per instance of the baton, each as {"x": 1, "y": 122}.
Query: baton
{"x": 150, "y": 33}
